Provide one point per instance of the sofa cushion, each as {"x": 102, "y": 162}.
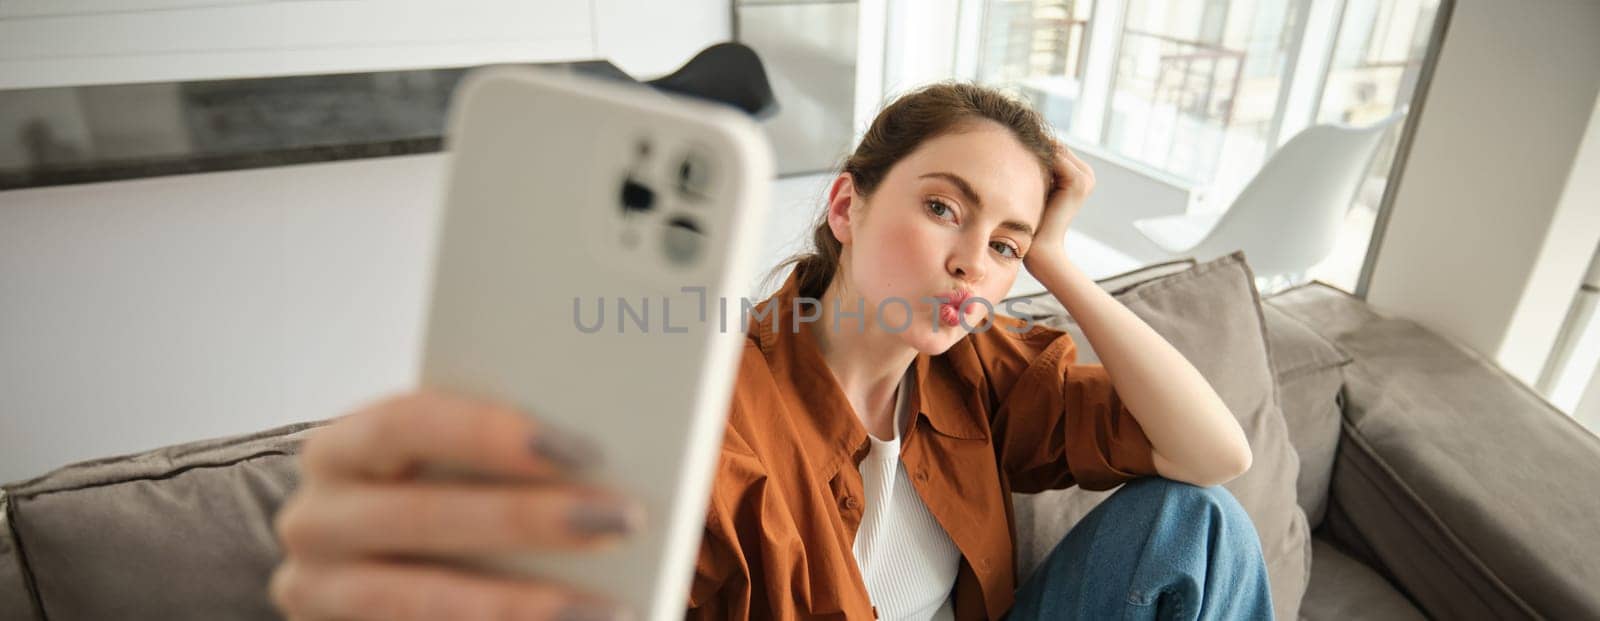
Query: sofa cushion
{"x": 1309, "y": 373}
{"x": 1454, "y": 478}
{"x": 1138, "y": 276}
{"x": 1041, "y": 307}
{"x": 1296, "y": 348}
{"x": 1211, "y": 312}
{"x": 179, "y": 532}
{"x": 1343, "y": 589}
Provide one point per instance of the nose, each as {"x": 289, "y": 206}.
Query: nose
{"x": 966, "y": 261}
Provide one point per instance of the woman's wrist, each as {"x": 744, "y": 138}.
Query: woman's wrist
{"x": 1043, "y": 261}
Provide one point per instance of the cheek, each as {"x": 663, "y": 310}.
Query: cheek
{"x": 900, "y": 259}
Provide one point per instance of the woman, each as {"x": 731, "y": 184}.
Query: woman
{"x": 883, "y": 414}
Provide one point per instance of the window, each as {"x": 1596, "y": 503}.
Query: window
{"x": 1197, "y": 83}
{"x": 1038, "y": 49}
{"x": 1373, "y": 72}
{"x": 1197, "y": 95}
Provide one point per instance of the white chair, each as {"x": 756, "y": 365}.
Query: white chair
{"x": 1287, "y": 218}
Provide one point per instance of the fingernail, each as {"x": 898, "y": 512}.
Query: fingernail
{"x": 592, "y": 612}
{"x": 566, "y": 450}
{"x": 598, "y": 517}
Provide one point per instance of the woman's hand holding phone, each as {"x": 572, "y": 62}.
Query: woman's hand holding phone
{"x": 359, "y": 531}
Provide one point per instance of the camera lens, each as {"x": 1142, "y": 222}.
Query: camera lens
{"x": 637, "y": 196}
{"x": 682, "y": 240}
{"x": 694, "y": 175}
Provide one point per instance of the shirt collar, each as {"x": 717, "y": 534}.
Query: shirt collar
{"x": 792, "y": 354}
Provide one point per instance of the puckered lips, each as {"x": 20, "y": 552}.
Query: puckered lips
{"x": 950, "y": 309}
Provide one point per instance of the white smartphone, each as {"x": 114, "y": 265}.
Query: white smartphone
{"x": 595, "y": 239}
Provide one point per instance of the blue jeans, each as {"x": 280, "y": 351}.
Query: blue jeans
{"x": 1155, "y": 549}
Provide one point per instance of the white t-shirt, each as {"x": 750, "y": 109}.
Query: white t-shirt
{"x": 908, "y": 561}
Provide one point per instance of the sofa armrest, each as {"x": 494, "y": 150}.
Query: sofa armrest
{"x": 1471, "y": 492}
{"x": 180, "y": 532}
{"x": 17, "y": 599}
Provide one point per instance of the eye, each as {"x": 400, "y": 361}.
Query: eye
{"x": 1003, "y": 247}
{"x": 937, "y": 207}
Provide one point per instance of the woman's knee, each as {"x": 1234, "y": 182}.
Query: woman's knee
{"x": 1209, "y": 517}
{"x": 1180, "y": 497}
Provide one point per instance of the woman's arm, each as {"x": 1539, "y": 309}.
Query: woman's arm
{"x": 1196, "y": 438}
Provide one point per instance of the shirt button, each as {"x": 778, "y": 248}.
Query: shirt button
{"x": 851, "y": 503}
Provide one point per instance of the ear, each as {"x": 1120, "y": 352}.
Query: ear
{"x": 842, "y": 202}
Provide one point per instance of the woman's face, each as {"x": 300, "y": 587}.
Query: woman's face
{"x": 953, "y": 217}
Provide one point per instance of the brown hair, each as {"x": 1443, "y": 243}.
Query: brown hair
{"x": 902, "y": 126}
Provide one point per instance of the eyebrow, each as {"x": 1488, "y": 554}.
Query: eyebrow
{"x": 972, "y": 197}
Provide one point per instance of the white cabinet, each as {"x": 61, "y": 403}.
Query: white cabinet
{"x": 77, "y": 42}
{"x": 47, "y": 43}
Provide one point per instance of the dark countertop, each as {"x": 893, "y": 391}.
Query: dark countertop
{"x": 68, "y": 135}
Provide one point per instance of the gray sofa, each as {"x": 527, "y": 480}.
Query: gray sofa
{"x": 1429, "y": 485}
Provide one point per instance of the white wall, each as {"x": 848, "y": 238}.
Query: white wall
{"x": 1510, "y": 99}
{"x": 147, "y": 312}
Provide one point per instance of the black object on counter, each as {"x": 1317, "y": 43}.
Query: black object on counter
{"x": 69, "y": 135}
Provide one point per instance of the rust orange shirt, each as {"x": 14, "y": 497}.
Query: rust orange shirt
{"x": 999, "y": 412}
